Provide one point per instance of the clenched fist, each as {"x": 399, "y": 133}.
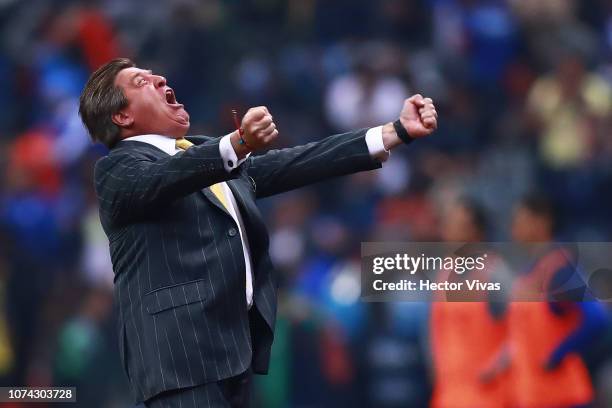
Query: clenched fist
{"x": 259, "y": 130}
{"x": 418, "y": 117}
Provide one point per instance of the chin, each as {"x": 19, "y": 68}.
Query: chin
{"x": 178, "y": 131}
{"x": 180, "y": 127}
{"x": 184, "y": 131}
{"x": 183, "y": 123}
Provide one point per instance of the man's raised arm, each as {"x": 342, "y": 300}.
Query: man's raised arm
{"x": 129, "y": 182}
{"x": 282, "y": 170}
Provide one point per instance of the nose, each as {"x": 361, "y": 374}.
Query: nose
{"x": 159, "y": 81}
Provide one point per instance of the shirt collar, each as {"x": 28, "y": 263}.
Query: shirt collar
{"x": 163, "y": 143}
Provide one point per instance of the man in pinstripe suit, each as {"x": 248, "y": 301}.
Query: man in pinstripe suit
{"x": 194, "y": 283}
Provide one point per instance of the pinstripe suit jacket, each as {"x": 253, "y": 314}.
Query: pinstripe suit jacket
{"x": 177, "y": 256}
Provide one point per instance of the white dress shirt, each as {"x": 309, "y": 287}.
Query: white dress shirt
{"x": 230, "y": 161}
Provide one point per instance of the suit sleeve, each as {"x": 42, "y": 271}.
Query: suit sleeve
{"x": 282, "y": 170}
{"x": 129, "y": 182}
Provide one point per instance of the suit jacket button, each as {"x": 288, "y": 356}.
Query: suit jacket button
{"x": 232, "y": 232}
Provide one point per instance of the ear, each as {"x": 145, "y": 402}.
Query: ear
{"x": 123, "y": 119}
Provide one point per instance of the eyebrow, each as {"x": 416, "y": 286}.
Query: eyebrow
{"x": 140, "y": 73}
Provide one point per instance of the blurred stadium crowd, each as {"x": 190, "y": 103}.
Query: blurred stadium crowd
{"x": 524, "y": 91}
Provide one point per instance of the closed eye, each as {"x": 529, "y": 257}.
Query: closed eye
{"x": 140, "y": 81}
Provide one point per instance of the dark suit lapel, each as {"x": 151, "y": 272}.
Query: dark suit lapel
{"x": 234, "y": 185}
{"x": 251, "y": 217}
{"x": 207, "y": 191}
{"x": 213, "y": 199}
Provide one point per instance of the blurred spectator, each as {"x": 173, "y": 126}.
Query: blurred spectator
{"x": 368, "y": 96}
{"x": 464, "y": 361}
{"x": 569, "y": 107}
{"x": 544, "y": 335}
{"x": 81, "y": 353}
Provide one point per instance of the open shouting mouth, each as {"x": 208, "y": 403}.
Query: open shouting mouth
{"x": 171, "y": 98}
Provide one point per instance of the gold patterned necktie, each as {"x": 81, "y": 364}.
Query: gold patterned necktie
{"x": 182, "y": 143}
{"x": 217, "y": 189}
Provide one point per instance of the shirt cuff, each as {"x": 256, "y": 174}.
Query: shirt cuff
{"x": 376, "y": 147}
{"x": 230, "y": 160}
